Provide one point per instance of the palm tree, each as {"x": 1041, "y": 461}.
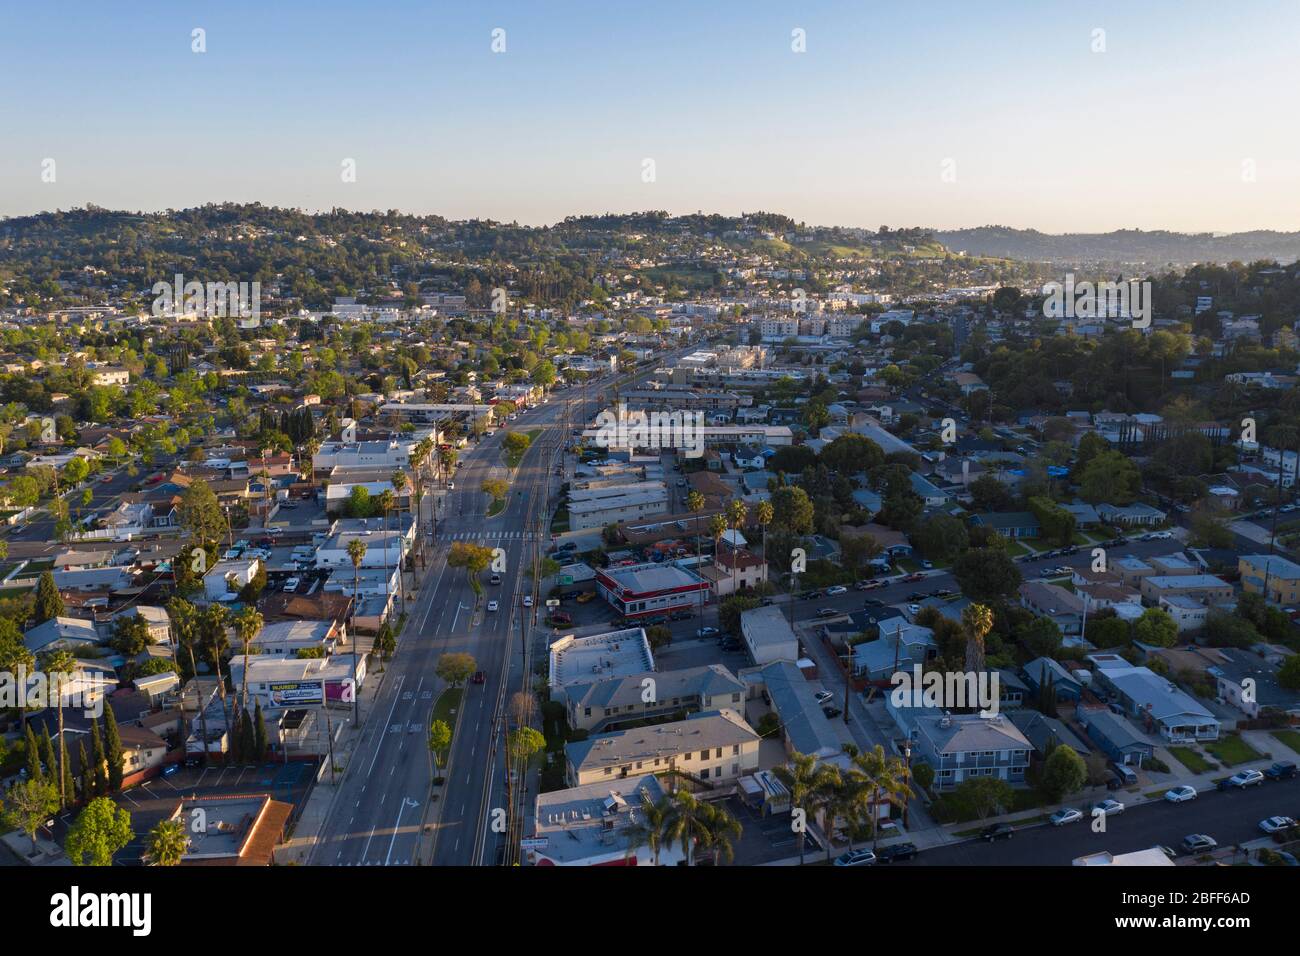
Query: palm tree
{"x": 882, "y": 774}
{"x": 802, "y": 776}
{"x": 764, "y": 514}
{"x": 166, "y": 843}
{"x": 737, "y": 514}
{"x": 652, "y": 831}
{"x": 57, "y": 666}
{"x": 724, "y": 830}
{"x": 248, "y": 622}
{"x": 717, "y": 528}
{"x": 357, "y": 552}
{"x": 976, "y": 621}
{"x": 695, "y": 503}
{"x": 212, "y": 625}
{"x": 687, "y": 824}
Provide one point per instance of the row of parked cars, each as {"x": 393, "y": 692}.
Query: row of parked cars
{"x": 895, "y": 853}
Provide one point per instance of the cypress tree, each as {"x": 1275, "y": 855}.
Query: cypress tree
{"x": 47, "y": 757}
{"x": 87, "y": 780}
{"x": 33, "y": 755}
{"x": 69, "y": 790}
{"x": 98, "y": 781}
{"x": 259, "y": 732}
{"x": 236, "y": 753}
{"x": 113, "y": 751}
{"x": 247, "y": 739}
{"x": 49, "y": 602}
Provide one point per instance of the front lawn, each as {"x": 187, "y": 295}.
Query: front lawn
{"x": 1232, "y": 750}
{"x": 1191, "y": 759}
{"x": 1289, "y": 739}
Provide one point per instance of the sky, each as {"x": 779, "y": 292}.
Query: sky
{"x": 1064, "y": 117}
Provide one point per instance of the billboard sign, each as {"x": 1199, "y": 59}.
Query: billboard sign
{"x": 297, "y": 693}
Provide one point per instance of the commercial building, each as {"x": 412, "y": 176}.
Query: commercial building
{"x": 650, "y": 589}
{"x": 593, "y": 824}
{"x": 608, "y": 702}
{"x": 768, "y": 636}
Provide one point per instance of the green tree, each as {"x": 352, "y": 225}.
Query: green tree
{"x": 439, "y": 741}
{"x": 200, "y": 513}
{"x": 986, "y": 574}
{"x": 455, "y": 668}
{"x": 28, "y": 805}
{"x": 113, "y": 754}
{"x": 1064, "y": 773}
{"x": 100, "y": 830}
{"x": 49, "y": 602}
{"x": 1156, "y": 627}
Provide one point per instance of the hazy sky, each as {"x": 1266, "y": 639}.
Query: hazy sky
{"x": 1186, "y": 120}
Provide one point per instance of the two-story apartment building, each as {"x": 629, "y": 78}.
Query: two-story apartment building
{"x": 611, "y": 701}
{"x": 715, "y": 746}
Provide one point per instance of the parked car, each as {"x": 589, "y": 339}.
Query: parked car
{"x": 831, "y": 711}
{"x": 1180, "y": 794}
{"x": 1199, "y": 843}
{"x": 914, "y": 609}
{"x": 836, "y": 589}
{"x": 1282, "y": 770}
{"x": 897, "y": 852}
{"x": 827, "y": 612}
{"x": 1061, "y": 817}
{"x": 927, "y": 565}
{"x": 291, "y": 585}
{"x": 823, "y": 696}
{"x": 707, "y": 632}
{"x": 171, "y": 769}
{"x": 856, "y": 858}
{"x": 1109, "y": 806}
{"x": 570, "y": 595}
{"x": 1246, "y": 778}
{"x": 997, "y": 831}
{"x": 915, "y": 576}
{"x": 810, "y": 595}
{"x": 586, "y": 596}
{"x": 1277, "y": 824}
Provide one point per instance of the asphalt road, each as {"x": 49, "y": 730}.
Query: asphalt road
{"x": 377, "y": 817}
{"x": 1230, "y": 817}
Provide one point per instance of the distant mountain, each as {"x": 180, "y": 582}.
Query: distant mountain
{"x": 1158, "y": 248}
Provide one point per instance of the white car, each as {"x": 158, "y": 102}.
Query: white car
{"x": 528, "y": 600}
{"x": 1276, "y": 824}
{"x": 1247, "y": 778}
{"x": 1061, "y": 817}
{"x": 837, "y": 589}
{"x": 824, "y": 696}
{"x": 1109, "y": 807}
{"x": 914, "y": 609}
{"x": 1180, "y": 794}
{"x": 492, "y": 605}
{"x": 291, "y": 584}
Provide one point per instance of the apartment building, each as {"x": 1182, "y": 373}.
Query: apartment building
{"x": 1275, "y": 577}
{"x": 714, "y": 746}
{"x": 607, "y": 702}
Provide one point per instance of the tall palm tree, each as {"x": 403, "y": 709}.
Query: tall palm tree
{"x": 717, "y": 528}
{"x": 652, "y": 831}
{"x": 737, "y": 515}
{"x": 687, "y": 823}
{"x": 764, "y": 514}
{"x": 248, "y": 622}
{"x": 695, "y": 504}
{"x": 806, "y": 780}
{"x": 723, "y": 829}
{"x": 212, "y": 625}
{"x": 883, "y": 775}
{"x": 853, "y": 802}
{"x": 357, "y": 552}
{"x": 58, "y": 666}
{"x": 976, "y": 621}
